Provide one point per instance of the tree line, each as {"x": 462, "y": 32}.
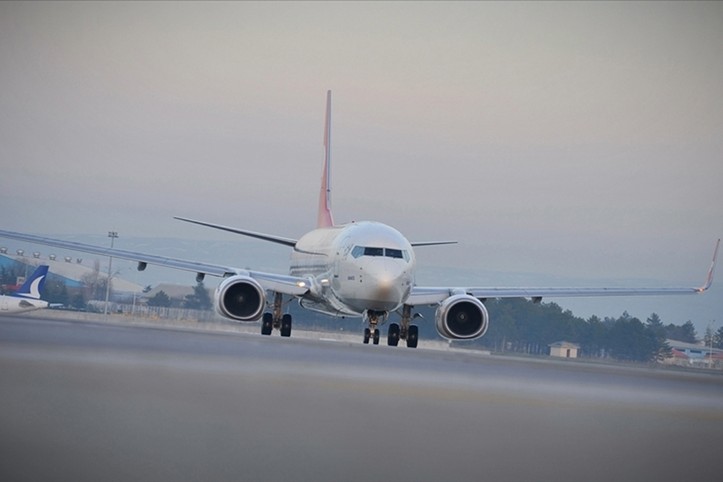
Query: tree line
{"x": 198, "y": 300}
{"x": 519, "y": 325}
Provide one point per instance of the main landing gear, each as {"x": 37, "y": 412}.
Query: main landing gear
{"x": 405, "y": 331}
{"x": 402, "y": 331}
{"x": 397, "y": 333}
{"x": 275, "y": 320}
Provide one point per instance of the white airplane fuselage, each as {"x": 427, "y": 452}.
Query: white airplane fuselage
{"x": 355, "y": 267}
{"x": 15, "y": 304}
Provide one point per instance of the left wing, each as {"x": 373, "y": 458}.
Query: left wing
{"x": 286, "y": 284}
{"x": 434, "y": 295}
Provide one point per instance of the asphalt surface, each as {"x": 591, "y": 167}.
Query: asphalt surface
{"x": 84, "y": 401}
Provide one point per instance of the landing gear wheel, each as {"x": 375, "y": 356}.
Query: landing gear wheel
{"x": 413, "y": 336}
{"x": 376, "y": 336}
{"x": 367, "y": 334}
{"x": 286, "y": 325}
{"x": 393, "y": 335}
{"x": 267, "y": 324}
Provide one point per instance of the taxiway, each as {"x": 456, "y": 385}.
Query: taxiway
{"x": 94, "y": 401}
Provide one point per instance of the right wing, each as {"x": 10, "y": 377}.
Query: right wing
{"x": 291, "y": 285}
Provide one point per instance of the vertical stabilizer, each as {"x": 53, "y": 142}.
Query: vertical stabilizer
{"x": 324, "y": 218}
{"x": 33, "y": 286}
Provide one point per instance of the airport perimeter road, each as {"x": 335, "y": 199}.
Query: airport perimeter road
{"x": 86, "y": 401}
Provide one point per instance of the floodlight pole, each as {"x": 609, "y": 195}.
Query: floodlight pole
{"x": 112, "y": 235}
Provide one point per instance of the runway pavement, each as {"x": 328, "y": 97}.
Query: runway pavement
{"x": 85, "y": 401}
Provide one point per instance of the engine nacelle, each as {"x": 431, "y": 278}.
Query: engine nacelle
{"x": 462, "y": 317}
{"x": 240, "y": 298}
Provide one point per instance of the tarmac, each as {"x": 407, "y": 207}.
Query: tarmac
{"x": 87, "y": 400}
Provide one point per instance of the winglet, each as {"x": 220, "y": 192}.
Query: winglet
{"x": 709, "y": 279}
{"x": 324, "y": 218}
{"x": 33, "y": 286}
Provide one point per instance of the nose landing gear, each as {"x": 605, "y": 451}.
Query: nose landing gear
{"x": 373, "y": 318}
{"x": 371, "y": 335}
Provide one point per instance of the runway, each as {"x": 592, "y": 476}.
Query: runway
{"x": 86, "y": 401}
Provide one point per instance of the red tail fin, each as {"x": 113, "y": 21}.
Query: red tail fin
{"x": 324, "y": 217}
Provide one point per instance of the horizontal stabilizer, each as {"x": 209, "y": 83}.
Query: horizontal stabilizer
{"x": 417, "y": 244}
{"x": 266, "y": 237}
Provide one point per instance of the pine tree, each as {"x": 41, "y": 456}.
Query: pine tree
{"x": 160, "y": 299}
{"x": 199, "y": 300}
{"x": 718, "y": 338}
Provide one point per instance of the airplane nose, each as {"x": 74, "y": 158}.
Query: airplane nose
{"x": 385, "y": 286}
{"x": 386, "y": 282}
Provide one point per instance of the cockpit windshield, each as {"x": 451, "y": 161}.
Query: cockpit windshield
{"x": 393, "y": 253}
{"x": 359, "y": 251}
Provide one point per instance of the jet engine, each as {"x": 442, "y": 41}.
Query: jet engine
{"x": 240, "y": 298}
{"x": 462, "y": 317}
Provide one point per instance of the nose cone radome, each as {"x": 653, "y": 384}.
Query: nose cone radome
{"x": 386, "y": 290}
{"x": 385, "y": 285}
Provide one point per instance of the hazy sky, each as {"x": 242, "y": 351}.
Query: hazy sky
{"x": 580, "y": 140}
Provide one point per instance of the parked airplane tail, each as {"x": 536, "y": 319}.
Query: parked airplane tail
{"x": 324, "y": 218}
{"x": 33, "y": 286}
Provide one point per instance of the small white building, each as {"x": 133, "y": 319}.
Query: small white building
{"x": 564, "y": 349}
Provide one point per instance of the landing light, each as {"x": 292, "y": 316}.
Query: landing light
{"x": 301, "y": 284}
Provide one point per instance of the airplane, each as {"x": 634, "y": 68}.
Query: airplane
{"x": 27, "y": 298}
{"x": 359, "y": 269}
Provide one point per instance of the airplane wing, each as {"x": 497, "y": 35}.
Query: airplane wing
{"x": 432, "y": 295}
{"x": 286, "y": 284}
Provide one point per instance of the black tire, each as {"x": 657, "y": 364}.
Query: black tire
{"x": 367, "y": 335}
{"x": 413, "y": 336}
{"x": 286, "y": 325}
{"x": 376, "y": 336}
{"x": 267, "y": 324}
{"x": 393, "y": 335}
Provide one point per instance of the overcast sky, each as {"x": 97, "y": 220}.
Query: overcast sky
{"x": 580, "y": 141}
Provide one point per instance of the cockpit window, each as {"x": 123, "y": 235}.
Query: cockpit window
{"x": 393, "y": 253}
{"x": 358, "y": 251}
{"x": 368, "y": 251}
